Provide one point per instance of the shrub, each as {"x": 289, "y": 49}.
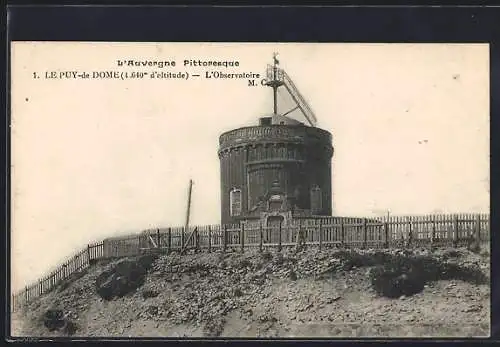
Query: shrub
{"x": 70, "y": 328}
{"x": 53, "y": 319}
{"x": 244, "y": 263}
{"x": 147, "y": 261}
{"x": 237, "y": 292}
{"x": 149, "y": 293}
{"x": 279, "y": 259}
{"x": 408, "y": 275}
{"x": 474, "y": 247}
{"x": 197, "y": 267}
{"x": 214, "y": 327}
{"x": 453, "y": 253}
{"x": 125, "y": 277}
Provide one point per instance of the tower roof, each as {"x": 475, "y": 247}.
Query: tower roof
{"x": 276, "y": 119}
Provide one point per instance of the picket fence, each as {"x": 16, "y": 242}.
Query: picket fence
{"x": 453, "y": 230}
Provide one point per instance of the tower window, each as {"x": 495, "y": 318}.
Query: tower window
{"x": 235, "y": 202}
{"x": 316, "y": 200}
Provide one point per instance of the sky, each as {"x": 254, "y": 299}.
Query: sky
{"x": 93, "y": 158}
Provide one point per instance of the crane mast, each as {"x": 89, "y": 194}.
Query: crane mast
{"x": 277, "y": 77}
{"x": 188, "y": 207}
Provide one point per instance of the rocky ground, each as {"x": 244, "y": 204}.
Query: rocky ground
{"x": 270, "y": 294}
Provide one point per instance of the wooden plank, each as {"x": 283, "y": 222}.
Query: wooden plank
{"x": 152, "y": 241}
{"x": 88, "y": 253}
{"x": 169, "y": 241}
{"x": 410, "y": 232}
{"x": 433, "y": 231}
{"x": 478, "y": 229}
{"x": 225, "y": 238}
{"x": 242, "y": 237}
{"x": 279, "y": 237}
{"x": 190, "y": 238}
{"x": 197, "y": 239}
{"x": 320, "y": 234}
{"x": 209, "y": 239}
{"x": 261, "y": 238}
{"x": 387, "y": 234}
{"x": 365, "y": 233}
{"x": 456, "y": 226}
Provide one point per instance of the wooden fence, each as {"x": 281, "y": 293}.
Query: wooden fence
{"x": 394, "y": 232}
{"x": 80, "y": 261}
{"x": 407, "y": 231}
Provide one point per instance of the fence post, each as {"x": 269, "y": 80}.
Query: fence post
{"x": 169, "y": 241}
{"x": 183, "y": 237}
{"x": 242, "y": 237}
{"x": 380, "y": 232}
{"x": 433, "y": 231}
{"x": 302, "y": 239}
{"x": 224, "y": 248}
{"x": 449, "y": 232}
{"x": 261, "y": 237}
{"x": 197, "y": 240}
{"x": 209, "y": 239}
{"x": 88, "y": 253}
{"x": 386, "y": 230}
{"x": 305, "y": 232}
{"x": 455, "y": 233}
{"x": 320, "y": 235}
{"x": 158, "y": 237}
{"x": 365, "y": 232}
{"x": 342, "y": 233}
{"x": 410, "y": 232}
{"x": 478, "y": 229}
{"x": 279, "y": 238}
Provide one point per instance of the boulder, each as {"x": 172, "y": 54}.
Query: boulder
{"x": 123, "y": 278}
{"x": 53, "y": 319}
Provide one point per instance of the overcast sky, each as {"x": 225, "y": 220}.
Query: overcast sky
{"x": 92, "y": 158}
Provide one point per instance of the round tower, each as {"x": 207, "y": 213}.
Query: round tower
{"x": 278, "y": 166}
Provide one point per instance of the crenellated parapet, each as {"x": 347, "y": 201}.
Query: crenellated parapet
{"x": 275, "y": 135}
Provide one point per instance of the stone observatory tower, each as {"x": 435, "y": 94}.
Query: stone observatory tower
{"x": 280, "y": 168}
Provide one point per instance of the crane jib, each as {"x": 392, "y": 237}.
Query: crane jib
{"x": 278, "y": 77}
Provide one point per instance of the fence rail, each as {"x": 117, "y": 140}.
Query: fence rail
{"x": 396, "y": 231}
